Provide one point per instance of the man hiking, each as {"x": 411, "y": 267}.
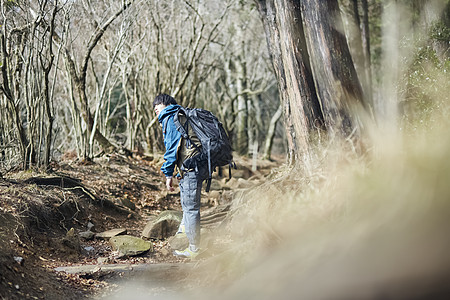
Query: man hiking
{"x": 178, "y": 150}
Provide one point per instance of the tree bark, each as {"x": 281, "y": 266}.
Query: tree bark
{"x": 297, "y": 65}
{"x": 268, "y": 15}
{"x": 335, "y": 77}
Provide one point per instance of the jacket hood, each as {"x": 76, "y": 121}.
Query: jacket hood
{"x": 169, "y": 110}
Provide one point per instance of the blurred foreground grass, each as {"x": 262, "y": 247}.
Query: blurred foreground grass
{"x": 349, "y": 226}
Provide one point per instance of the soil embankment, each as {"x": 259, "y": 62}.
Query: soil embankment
{"x": 44, "y": 218}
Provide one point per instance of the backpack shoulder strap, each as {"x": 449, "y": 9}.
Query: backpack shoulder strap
{"x": 183, "y": 128}
{"x": 178, "y": 124}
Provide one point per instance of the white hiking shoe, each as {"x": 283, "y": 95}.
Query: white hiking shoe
{"x": 186, "y": 253}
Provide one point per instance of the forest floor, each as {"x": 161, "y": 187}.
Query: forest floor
{"x": 38, "y": 210}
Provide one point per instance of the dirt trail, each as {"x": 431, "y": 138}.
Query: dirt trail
{"x": 37, "y": 210}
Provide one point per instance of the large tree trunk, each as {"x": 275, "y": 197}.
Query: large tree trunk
{"x": 297, "y": 65}
{"x": 335, "y": 77}
{"x": 287, "y": 46}
{"x": 268, "y": 15}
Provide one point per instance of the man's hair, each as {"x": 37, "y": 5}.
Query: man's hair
{"x": 164, "y": 99}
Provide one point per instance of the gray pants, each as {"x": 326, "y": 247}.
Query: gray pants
{"x": 190, "y": 193}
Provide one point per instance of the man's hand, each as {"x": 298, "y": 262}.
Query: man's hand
{"x": 169, "y": 184}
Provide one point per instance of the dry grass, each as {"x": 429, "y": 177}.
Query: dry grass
{"x": 346, "y": 226}
{"x": 355, "y": 228}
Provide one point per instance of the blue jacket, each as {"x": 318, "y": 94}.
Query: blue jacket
{"x": 171, "y": 138}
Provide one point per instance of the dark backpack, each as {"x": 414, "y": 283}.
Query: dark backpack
{"x": 215, "y": 147}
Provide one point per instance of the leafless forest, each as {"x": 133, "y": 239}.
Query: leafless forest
{"x": 80, "y": 76}
{"x": 353, "y": 95}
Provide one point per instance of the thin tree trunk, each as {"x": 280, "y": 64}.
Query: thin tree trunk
{"x": 80, "y": 82}
{"x": 242, "y": 109}
{"x": 80, "y": 138}
{"x": 366, "y": 50}
{"x": 97, "y": 123}
{"x": 46, "y": 91}
{"x": 271, "y": 133}
{"x": 7, "y": 83}
{"x": 251, "y": 126}
{"x": 80, "y": 85}
{"x": 355, "y": 42}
